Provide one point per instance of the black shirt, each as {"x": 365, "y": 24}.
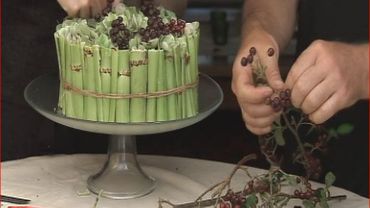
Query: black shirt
{"x": 340, "y": 20}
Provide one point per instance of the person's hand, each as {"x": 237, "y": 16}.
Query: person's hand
{"x": 83, "y": 8}
{"x": 327, "y": 77}
{"x": 258, "y": 116}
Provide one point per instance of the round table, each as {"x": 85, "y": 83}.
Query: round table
{"x": 59, "y": 181}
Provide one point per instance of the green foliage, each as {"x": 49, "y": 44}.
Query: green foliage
{"x": 329, "y": 179}
{"x": 308, "y": 204}
{"x": 251, "y": 201}
{"x": 279, "y": 138}
{"x": 345, "y": 129}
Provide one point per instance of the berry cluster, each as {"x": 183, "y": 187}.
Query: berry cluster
{"x": 233, "y": 200}
{"x": 279, "y": 100}
{"x": 149, "y": 9}
{"x": 156, "y": 27}
{"x": 252, "y": 51}
{"x": 313, "y": 166}
{"x": 249, "y": 59}
{"x": 119, "y": 34}
{"x": 308, "y": 193}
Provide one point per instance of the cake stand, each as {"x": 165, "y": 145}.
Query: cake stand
{"x": 121, "y": 176}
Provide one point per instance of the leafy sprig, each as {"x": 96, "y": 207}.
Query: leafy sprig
{"x": 272, "y": 189}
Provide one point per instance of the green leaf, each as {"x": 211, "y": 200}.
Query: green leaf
{"x": 329, "y": 179}
{"x": 279, "y": 138}
{"x": 324, "y": 204}
{"x": 323, "y": 198}
{"x": 292, "y": 180}
{"x": 251, "y": 201}
{"x": 345, "y": 128}
{"x": 308, "y": 204}
{"x": 321, "y": 193}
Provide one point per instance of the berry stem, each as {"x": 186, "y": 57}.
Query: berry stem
{"x": 295, "y": 135}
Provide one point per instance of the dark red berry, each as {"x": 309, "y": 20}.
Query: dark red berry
{"x": 250, "y": 58}
{"x": 253, "y": 51}
{"x": 285, "y": 103}
{"x": 98, "y": 18}
{"x": 268, "y": 101}
{"x": 172, "y": 21}
{"x": 270, "y": 52}
{"x": 277, "y": 100}
{"x": 283, "y": 95}
{"x": 297, "y": 193}
{"x": 244, "y": 61}
{"x": 288, "y": 92}
{"x": 276, "y": 107}
{"x": 121, "y": 26}
{"x": 106, "y": 11}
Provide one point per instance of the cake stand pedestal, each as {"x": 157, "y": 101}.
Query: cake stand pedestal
{"x": 121, "y": 176}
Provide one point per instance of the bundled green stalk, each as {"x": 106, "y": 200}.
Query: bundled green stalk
{"x": 192, "y": 42}
{"x": 162, "y": 102}
{"x": 177, "y": 63}
{"x": 118, "y": 70}
{"x": 139, "y": 71}
{"x": 98, "y": 82}
{"x": 171, "y": 83}
{"x": 77, "y": 81}
{"x": 90, "y": 107}
{"x": 153, "y": 66}
{"x": 69, "y": 112}
{"x": 59, "y": 42}
{"x": 187, "y": 95}
{"x": 123, "y": 87}
{"x": 113, "y": 87}
{"x": 106, "y": 72}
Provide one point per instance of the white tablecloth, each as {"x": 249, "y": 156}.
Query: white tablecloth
{"x": 55, "y": 181}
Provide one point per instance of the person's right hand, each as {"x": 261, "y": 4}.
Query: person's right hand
{"x": 83, "y": 8}
{"x": 258, "y": 116}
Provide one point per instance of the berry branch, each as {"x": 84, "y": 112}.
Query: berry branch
{"x": 272, "y": 189}
{"x": 276, "y": 188}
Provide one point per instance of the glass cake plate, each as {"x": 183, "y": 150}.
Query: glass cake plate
{"x": 121, "y": 176}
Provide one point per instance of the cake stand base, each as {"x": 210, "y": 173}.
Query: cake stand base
{"x": 121, "y": 177}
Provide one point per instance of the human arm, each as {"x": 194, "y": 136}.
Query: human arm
{"x": 89, "y": 8}
{"x": 177, "y": 6}
{"x": 266, "y": 24}
{"x": 328, "y": 77}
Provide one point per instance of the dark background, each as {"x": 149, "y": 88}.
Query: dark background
{"x": 29, "y": 51}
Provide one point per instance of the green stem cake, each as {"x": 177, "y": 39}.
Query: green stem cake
{"x": 128, "y": 65}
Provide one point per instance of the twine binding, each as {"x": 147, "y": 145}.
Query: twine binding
{"x": 68, "y": 86}
{"x": 76, "y": 68}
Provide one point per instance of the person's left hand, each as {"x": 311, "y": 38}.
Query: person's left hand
{"x": 329, "y": 76}
{"x": 83, "y": 8}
